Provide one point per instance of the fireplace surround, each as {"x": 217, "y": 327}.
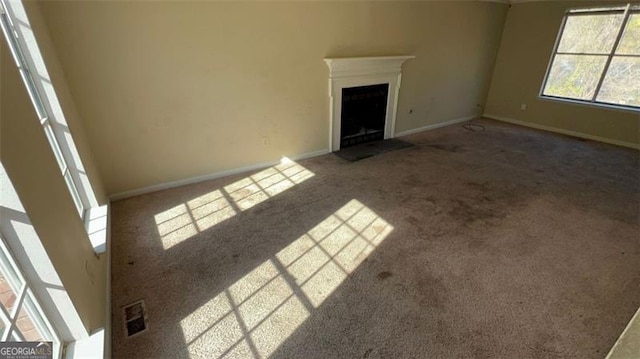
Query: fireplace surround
{"x": 355, "y": 72}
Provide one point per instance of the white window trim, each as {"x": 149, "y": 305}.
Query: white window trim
{"x": 22, "y": 238}
{"x": 600, "y": 105}
{"x": 47, "y": 106}
{"x": 44, "y": 328}
{"x": 35, "y": 265}
{"x": 628, "y": 10}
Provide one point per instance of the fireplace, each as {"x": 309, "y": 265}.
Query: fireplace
{"x": 363, "y": 95}
{"x": 364, "y": 109}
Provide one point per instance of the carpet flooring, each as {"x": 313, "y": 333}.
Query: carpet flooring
{"x": 506, "y": 243}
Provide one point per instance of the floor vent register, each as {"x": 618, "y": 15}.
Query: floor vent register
{"x": 135, "y": 319}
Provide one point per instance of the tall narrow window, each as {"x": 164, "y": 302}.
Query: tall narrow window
{"x": 597, "y": 57}
{"x": 13, "y": 39}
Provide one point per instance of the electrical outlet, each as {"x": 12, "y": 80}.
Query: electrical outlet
{"x": 523, "y": 106}
{"x": 265, "y": 141}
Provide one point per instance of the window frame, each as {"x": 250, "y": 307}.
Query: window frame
{"x": 627, "y": 10}
{"x": 24, "y": 299}
{"x": 83, "y": 198}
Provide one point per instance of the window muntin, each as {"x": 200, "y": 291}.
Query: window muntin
{"x": 597, "y": 58}
{"x": 12, "y": 36}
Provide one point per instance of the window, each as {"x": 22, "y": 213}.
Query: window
{"x": 597, "y": 58}
{"x": 54, "y": 135}
{"x": 21, "y": 317}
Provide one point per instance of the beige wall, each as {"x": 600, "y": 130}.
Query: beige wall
{"x": 32, "y": 167}
{"x": 173, "y": 90}
{"x": 529, "y": 36}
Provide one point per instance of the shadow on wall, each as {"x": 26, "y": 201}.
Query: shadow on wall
{"x": 42, "y": 281}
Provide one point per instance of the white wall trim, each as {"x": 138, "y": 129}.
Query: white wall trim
{"x": 436, "y": 125}
{"x": 635, "y": 146}
{"x": 207, "y": 177}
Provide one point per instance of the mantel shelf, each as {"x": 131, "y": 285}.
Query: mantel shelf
{"x": 358, "y": 66}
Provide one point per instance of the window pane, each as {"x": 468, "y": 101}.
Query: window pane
{"x": 630, "y": 42}
{"x": 6, "y": 29}
{"x": 8, "y": 273}
{"x": 14, "y": 337}
{"x": 4, "y": 326}
{"x": 55, "y": 147}
{"x": 574, "y": 76}
{"x": 7, "y": 295}
{"x": 22, "y": 65}
{"x": 593, "y": 34}
{"x": 30, "y": 322}
{"x": 622, "y": 82}
{"x": 74, "y": 192}
{"x": 33, "y": 93}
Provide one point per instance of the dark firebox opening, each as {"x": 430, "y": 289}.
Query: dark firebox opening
{"x": 364, "y": 110}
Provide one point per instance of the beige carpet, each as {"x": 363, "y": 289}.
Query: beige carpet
{"x": 507, "y": 243}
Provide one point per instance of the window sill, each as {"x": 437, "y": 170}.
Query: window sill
{"x": 96, "y": 224}
{"x": 590, "y": 104}
{"x": 91, "y": 347}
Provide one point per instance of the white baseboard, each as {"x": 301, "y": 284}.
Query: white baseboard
{"x": 233, "y": 171}
{"x": 564, "y": 132}
{"x": 434, "y": 126}
{"x": 304, "y": 156}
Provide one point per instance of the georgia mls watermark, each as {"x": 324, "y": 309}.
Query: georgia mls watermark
{"x": 26, "y": 350}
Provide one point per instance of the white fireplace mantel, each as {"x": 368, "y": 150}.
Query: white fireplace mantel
{"x": 363, "y": 71}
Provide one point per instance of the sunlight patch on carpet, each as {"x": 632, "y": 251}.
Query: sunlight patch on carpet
{"x": 255, "y": 315}
{"x": 201, "y": 213}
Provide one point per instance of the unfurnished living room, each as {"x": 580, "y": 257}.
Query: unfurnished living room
{"x": 320, "y": 179}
